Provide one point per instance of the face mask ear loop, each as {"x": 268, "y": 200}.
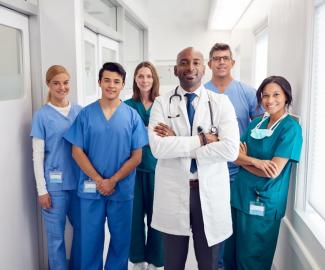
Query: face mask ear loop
{"x": 263, "y": 119}
{"x": 278, "y": 122}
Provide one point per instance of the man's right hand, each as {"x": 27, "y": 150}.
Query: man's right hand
{"x": 211, "y": 138}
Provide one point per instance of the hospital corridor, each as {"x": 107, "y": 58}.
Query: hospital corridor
{"x": 173, "y": 134}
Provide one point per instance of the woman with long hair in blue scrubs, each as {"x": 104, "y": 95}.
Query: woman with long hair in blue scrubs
{"x": 55, "y": 170}
{"x": 145, "y": 249}
{"x": 269, "y": 148}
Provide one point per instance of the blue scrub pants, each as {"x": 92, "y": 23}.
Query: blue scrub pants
{"x": 119, "y": 218}
{"x": 64, "y": 203}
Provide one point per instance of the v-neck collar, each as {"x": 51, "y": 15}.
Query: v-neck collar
{"x": 102, "y": 112}
{"x": 57, "y": 112}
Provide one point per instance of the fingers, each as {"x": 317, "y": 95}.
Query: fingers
{"x": 163, "y": 130}
{"x": 45, "y": 201}
{"x": 269, "y": 168}
{"x": 211, "y": 138}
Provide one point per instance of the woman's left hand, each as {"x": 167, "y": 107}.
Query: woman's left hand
{"x": 163, "y": 130}
{"x": 243, "y": 149}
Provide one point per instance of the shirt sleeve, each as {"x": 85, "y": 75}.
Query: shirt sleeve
{"x": 38, "y": 129}
{"x": 290, "y": 143}
{"x": 139, "y": 133}
{"x": 75, "y": 134}
{"x": 38, "y": 162}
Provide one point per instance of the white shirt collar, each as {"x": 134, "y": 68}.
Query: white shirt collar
{"x": 197, "y": 91}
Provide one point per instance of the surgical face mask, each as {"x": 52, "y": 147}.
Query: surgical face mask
{"x": 260, "y": 133}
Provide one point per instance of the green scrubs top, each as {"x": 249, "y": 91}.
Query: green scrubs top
{"x": 148, "y": 163}
{"x": 285, "y": 142}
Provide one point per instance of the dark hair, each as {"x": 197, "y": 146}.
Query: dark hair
{"x": 154, "y": 92}
{"x": 112, "y": 67}
{"x": 282, "y": 82}
{"x": 220, "y": 47}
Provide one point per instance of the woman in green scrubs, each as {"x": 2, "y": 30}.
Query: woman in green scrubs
{"x": 145, "y": 249}
{"x": 269, "y": 148}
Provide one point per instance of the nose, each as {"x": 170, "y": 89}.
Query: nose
{"x": 190, "y": 66}
{"x": 110, "y": 84}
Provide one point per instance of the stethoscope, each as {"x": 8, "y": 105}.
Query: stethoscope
{"x": 213, "y": 128}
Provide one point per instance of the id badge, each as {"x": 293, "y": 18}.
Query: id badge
{"x": 256, "y": 208}
{"x": 56, "y": 177}
{"x": 89, "y": 186}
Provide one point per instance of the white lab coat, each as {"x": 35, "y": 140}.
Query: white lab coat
{"x": 174, "y": 153}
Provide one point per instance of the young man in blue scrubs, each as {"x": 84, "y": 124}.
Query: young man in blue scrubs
{"x": 107, "y": 139}
{"x": 242, "y": 97}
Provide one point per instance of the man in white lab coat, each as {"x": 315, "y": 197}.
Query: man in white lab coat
{"x": 193, "y": 132}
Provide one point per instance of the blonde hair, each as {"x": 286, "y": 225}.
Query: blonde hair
{"x": 52, "y": 72}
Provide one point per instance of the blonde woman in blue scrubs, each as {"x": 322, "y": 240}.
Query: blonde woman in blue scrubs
{"x": 55, "y": 171}
{"x": 269, "y": 148}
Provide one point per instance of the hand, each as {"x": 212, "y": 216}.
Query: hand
{"x": 211, "y": 137}
{"x": 267, "y": 166}
{"x": 163, "y": 130}
{"x": 243, "y": 149}
{"x": 107, "y": 187}
{"x": 45, "y": 201}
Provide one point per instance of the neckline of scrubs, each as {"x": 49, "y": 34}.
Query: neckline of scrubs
{"x": 65, "y": 117}
{"x": 266, "y": 122}
{"x": 107, "y": 121}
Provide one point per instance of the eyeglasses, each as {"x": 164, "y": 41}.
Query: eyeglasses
{"x": 219, "y": 58}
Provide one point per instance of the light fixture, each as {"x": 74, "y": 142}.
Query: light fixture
{"x": 225, "y": 14}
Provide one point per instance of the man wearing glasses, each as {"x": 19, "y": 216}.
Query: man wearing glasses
{"x": 242, "y": 97}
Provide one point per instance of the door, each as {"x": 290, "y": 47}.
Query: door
{"x": 91, "y": 90}
{"x": 18, "y": 205}
{"x": 97, "y": 51}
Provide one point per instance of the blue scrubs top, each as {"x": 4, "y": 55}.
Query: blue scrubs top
{"x": 148, "y": 163}
{"x": 285, "y": 142}
{"x": 108, "y": 145}
{"x": 243, "y": 98}
{"x": 49, "y": 125}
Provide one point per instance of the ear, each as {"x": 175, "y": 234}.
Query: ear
{"x": 233, "y": 62}
{"x": 175, "y": 71}
{"x": 209, "y": 64}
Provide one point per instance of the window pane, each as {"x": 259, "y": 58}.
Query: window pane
{"x": 108, "y": 55}
{"x": 90, "y": 70}
{"x": 317, "y": 109}
{"x": 103, "y": 10}
{"x": 261, "y": 58}
{"x": 11, "y": 73}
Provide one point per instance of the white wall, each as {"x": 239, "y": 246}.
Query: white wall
{"x": 172, "y": 30}
{"x": 245, "y": 40}
{"x": 61, "y": 26}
